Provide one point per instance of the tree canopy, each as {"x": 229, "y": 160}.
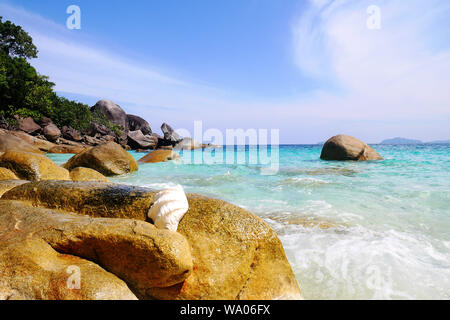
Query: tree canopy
{"x": 26, "y": 93}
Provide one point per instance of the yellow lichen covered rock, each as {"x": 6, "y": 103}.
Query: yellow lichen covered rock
{"x": 32, "y": 166}
{"x": 38, "y": 244}
{"x": 6, "y": 174}
{"x": 236, "y": 255}
{"x": 109, "y": 159}
{"x": 86, "y": 174}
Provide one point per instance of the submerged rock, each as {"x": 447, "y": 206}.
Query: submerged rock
{"x": 343, "y": 147}
{"x": 110, "y": 159}
{"x": 32, "y": 166}
{"x": 86, "y": 174}
{"x": 236, "y": 255}
{"x": 159, "y": 156}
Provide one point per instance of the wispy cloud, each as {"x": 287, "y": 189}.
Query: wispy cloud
{"x": 387, "y": 82}
{"x": 393, "y": 72}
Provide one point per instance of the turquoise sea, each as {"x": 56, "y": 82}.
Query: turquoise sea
{"x": 388, "y": 234}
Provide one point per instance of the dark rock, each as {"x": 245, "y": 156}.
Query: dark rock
{"x": 170, "y": 134}
{"x": 112, "y": 112}
{"x": 71, "y": 134}
{"x": 137, "y": 123}
{"x": 51, "y": 132}
{"x": 343, "y": 147}
{"x": 28, "y": 125}
{"x": 136, "y": 140}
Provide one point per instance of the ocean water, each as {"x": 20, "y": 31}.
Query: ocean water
{"x": 351, "y": 230}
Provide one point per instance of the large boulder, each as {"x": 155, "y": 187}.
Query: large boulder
{"x": 134, "y": 255}
{"x": 137, "y": 140}
{"x": 71, "y": 134}
{"x": 51, "y": 132}
{"x": 343, "y": 147}
{"x": 112, "y": 112}
{"x": 236, "y": 255}
{"x": 86, "y": 174}
{"x": 41, "y": 144}
{"x": 159, "y": 156}
{"x": 110, "y": 159}
{"x": 28, "y": 125}
{"x": 188, "y": 144}
{"x": 170, "y": 134}
{"x": 137, "y": 123}
{"x": 9, "y": 142}
{"x": 32, "y": 166}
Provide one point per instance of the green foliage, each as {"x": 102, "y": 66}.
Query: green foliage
{"x": 24, "y": 92}
{"x": 100, "y": 118}
{"x": 71, "y": 113}
{"x": 14, "y": 41}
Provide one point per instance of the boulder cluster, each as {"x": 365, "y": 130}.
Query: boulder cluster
{"x": 130, "y": 131}
{"x": 57, "y": 222}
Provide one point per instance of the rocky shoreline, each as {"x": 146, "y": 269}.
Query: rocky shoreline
{"x": 130, "y": 131}
{"x": 55, "y": 219}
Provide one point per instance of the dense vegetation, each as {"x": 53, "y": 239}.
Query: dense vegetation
{"x": 26, "y": 93}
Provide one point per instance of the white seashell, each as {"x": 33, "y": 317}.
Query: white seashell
{"x": 169, "y": 207}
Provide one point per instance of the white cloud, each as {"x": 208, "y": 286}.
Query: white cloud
{"x": 392, "y": 72}
{"x": 387, "y": 82}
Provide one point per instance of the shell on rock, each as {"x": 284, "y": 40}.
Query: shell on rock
{"x": 169, "y": 207}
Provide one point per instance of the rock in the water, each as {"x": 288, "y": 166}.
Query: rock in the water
{"x": 188, "y": 144}
{"x": 51, "y": 132}
{"x": 32, "y": 166}
{"x": 134, "y": 251}
{"x": 236, "y": 255}
{"x": 86, "y": 174}
{"x": 137, "y": 140}
{"x": 343, "y": 147}
{"x": 6, "y": 174}
{"x": 112, "y": 112}
{"x": 9, "y": 142}
{"x": 109, "y": 159}
{"x": 169, "y": 133}
{"x": 159, "y": 156}
{"x": 137, "y": 123}
{"x": 28, "y": 125}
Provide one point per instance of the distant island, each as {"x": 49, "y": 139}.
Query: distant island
{"x": 399, "y": 140}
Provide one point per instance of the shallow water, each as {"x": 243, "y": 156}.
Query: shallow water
{"x": 387, "y": 233}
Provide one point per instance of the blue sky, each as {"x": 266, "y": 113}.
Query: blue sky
{"x": 309, "y": 68}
